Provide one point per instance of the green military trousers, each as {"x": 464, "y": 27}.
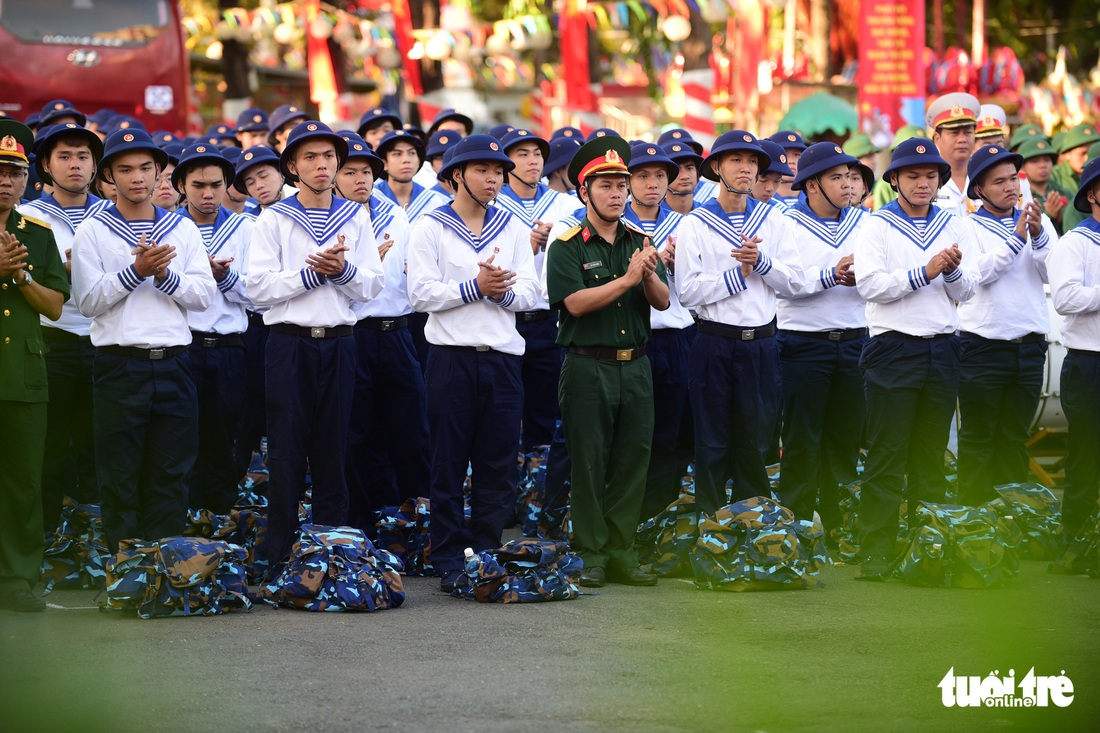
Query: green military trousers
{"x": 607, "y": 416}
{"x": 21, "y": 452}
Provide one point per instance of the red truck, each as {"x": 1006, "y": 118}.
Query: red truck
{"x": 126, "y": 55}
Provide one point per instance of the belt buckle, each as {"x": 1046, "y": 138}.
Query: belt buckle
{"x": 1018, "y": 340}
{"x": 929, "y": 337}
{"x": 388, "y": 324}
{"x": 210, "y": 342}
{"x": 316, "y": 333}
{"x": 835, "y": 335}
{"x": 156, "y": 354}
{"x": 748, "y": 334}
{"x": 481, "y": 348}
{"x": 624, "y": 354}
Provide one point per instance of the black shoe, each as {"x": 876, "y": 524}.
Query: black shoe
{"x": 874, "y": 568}
{"x": 633, "y": 576}
{"x": 23, "y": 601}
{"x": 453, "y": 580}
{"x": 593, "y": 577}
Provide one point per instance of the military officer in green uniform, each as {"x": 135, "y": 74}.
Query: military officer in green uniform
{"x": 603, "y": 275}
{"x": 1066, "y": 176}
{"x": 32, "y": 282}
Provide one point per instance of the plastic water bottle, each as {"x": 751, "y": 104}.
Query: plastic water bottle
{"x": 473, "y": 563}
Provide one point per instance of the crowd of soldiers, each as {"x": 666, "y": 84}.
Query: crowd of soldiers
{"x": 397, "y": 311}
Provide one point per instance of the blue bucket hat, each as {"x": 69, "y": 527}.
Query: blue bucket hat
{"x": 601, "y": 132}
{"x": 254, "y": 156}
{"x": 819, "y": 158}
{"x": 917, "y": 151}
{"x": 451, "y": 114}
{"x": 680, "y": 135}
{"x": 415, "y": 131}
{"x": 446, "y": 159}
{"x": 499, "y": 131}
{"x": 252, "y": 119}
{"x": 867, "y": 174}
{"x": 515, "y": 137}
{"x": 393, "y": 137}
{"x": 984, "y": 158}
{"x": 126, "y": 141}
{"x": 778, "y": 156}
{"x": 232, "y": 155}
{"x": 441, "y": 142}
{"x": 679, "y": 152}
{"x": 124, "y": 122}
{"x": 644, "y": 154}
{"x": 283, "y": 115}
{"x": 60, "y": 108}
{"x": 175, "y": 149}
{"x": 358, "y": 149}
{"x": 304, "y": 132}
{"x": 163, "y": 137}
{"x": 562, "y": 150}
{"x": 567, "y": 131}
{"x": 222, "y": 132}
{"x": 1089, "y": 176}
{"x": 376, "y": 116}
{"x": 201, "y": 154}
{"x": 789, "y": 139}
{"x": 732, "y": 142}
{"x": 101, "y": 116}
{"x": 49, "y": 136}
{"x": 475, "y": 149}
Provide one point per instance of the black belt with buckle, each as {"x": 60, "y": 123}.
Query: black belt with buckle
{"x": 157, "y": 354}
{"x": 1030, "y": 338}
{"x": 216, "y": 340}
{"x": 256, "y": 319}
{"x": 532, "y": 316}
{"x": 312, "y": 332}
{"x": 839, "y": 334}
{"x": 607, "y": 353}
{"x": 738, "y": 333}
{"x": 911, "y": 337}
{"x": 383, "y": 324}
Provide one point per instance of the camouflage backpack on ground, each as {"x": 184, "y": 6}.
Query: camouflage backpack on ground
{"x": 523, "y": 571}
{"x": 542, "y": 516}
{"x": 665, "y": 541}
{"x": 757, "y": 544}
{"x": 76, "y": 552}
{"x": 249, "y": 514}
{"x": 404, "y": 531}
{"x": 336, "y": 569}
{"x": 961, "y": 547}
{"x": 177, "y": 576}
{"x": 205, "y": 523}
{"x": 1083, "y": 553}
{"x": 1038, "y": 514}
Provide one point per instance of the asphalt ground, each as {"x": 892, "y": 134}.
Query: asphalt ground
{"x": 848, "y": 656}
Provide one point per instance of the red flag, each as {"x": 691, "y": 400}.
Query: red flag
{"x": 322, "y": 78}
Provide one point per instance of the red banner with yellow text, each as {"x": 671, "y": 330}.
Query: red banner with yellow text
{"x": 891, "y": 67}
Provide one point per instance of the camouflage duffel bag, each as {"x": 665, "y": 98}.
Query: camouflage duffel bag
{"x": 960, "y": 547}
{"x": 1082, "y": 554}
{"x": 336, "y": 569}
{"x": 523, "y": 571}
{"x": 205, "y": 523}
{"x": 177, "y": 576}
{"x": 1038, "y": 513}
{"x": 758, "y": 544}
{"x": 665, "y": 541}
{"x": 404, "y": 531}
{"x": 76, "y": 552}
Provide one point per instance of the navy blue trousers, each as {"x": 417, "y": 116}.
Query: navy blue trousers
{"x": 823, "y": 417}
{"x": 387, "y": 460}
{"x": 147, "y": 437}
{"x": 999, "y": 390}
{"x": 1081, "y": 401}
{"x": 417, "y": 321}
{"x": 668, "y": 350}
{"x": 69, "y": 468}
{"x": 475, "y": 403}
{"x": 911, "y": 387}
{"x": 253, "y": 422}
{"x": 541, "y": 371}
{"x": 220, "y": 381}
{"x": 309, "y": 394}
{"x": 735, "y": 402}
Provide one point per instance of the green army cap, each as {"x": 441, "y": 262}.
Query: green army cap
{"x": 1083, "y": 134}
{"x": 1056, "y": 141}
{"x": 602, "y": 156}
{"x": 905, "y": 132}
{"x": 859, "y": 145}
{"x": 16, "y": 142}
{"x": 1023, "y": 134}
{"x": 1037, "y": 147}
{"x": 1094, "y": 151}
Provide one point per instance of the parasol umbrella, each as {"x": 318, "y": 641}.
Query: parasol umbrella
{"x": 820, "y": 113}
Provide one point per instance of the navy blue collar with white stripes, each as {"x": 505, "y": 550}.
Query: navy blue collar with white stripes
{"x": 495, "y": 221}
{"x": 225, "y": 225}
{"x": 667, "y": 221}
{"x": 714, "y": 216}
{"x": 163, "y": 222}
{"x": 845, "y": 223}
{"x": 896, "y": 217}
{"x": 340, "y": 212}
{"x": 48, "y": 204}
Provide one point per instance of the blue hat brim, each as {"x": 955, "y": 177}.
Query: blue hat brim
{"x": 816, "y": 168}
{"x": 915, "y": 161}
{"x": 1004, "y": 156}
{"x": 763, "y": 159}
{"x": 385, "y": 145}
{"x": 511, "y": 140}
{"x": 368, "y": 121}
{"x": 467, "y": 122}
{"x": 160, "y": 158}
{"x": 43, "y": 145}
{"x": 244, "y": 165}
{"x": 292, "y": 145}
{"x": 475, "y": 156}
{"x": 1089, "y": 177}
{"x": 213, "y": 157}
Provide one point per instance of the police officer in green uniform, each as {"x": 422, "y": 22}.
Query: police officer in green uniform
{"x": 603, "y": 275}
{"x": 32, "y": 282}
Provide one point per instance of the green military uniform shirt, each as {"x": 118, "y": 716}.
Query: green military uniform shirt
{"x": 22, "y": 350}
{"x": 580, "y": 259}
